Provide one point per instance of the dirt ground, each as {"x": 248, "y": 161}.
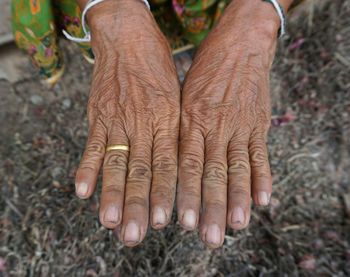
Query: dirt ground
{"x": 46, "y": 231}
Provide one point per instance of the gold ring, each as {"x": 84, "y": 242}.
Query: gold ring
{"x": 117, "y": 147}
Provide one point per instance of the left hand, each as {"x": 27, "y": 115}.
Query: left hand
{"x": 225, "y": 118}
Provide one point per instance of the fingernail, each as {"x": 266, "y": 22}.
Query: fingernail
{"x": 132, "y": 233}
{"x": 111, "y": 215}
{"x": 82, "y": 189}
{"x": 238, "y": 215}
{"x": 159, "y": 216}
{"x": 213, "y": 235}
{"x": 189, "y": 219}
{"x": 263, "y": 198}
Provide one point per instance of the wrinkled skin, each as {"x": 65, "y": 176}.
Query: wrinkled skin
{"x": 135, "y": 101}
{"x": 225, "y": 117}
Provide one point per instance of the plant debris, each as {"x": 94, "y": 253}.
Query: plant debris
{"x": 45, "y": 230}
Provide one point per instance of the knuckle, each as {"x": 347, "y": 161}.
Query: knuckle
{"x": 162, "y": 181}
{"x": 136, "y": 200}
{"x": 238, "y": 160}
{"x": 259, "y": 136}
{"x": 215, "y": 205}
{"x": 163, "y": 194}
{"x": 95, "y": 148}
{"x": 116, "y": 161}
{"x": 112, "y": 187}
{"x": 261, "y": 130}
{"x": 139, "y": 170}
{"x": 191, "y": 135}
{"x": 215, "y": 171}
{"x": 164, "y": 164}
{"x": 239, "y": 167}
{"x": 257, "y": 139}
{"x": 189, "y": 191}
{"x": 258, "y": 153}
{"x": 192, "y": 163}
{"x": 258, "y": 159}
{"x": 92, "y": 164}
{"x": 262, "y": 177}
{"x": 238, "y": 192}
{"x": 93, "y": 155}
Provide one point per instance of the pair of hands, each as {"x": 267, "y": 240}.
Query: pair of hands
{"x": 225, "y": 115}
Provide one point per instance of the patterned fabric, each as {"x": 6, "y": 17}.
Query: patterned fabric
{"x": 37, "y": 23}
{"x": 35, "y": 31}
{"x": 198, "y": 16}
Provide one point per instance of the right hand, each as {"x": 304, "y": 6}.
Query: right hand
{"x": 134, "y": 101}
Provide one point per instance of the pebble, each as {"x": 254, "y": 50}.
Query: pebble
{"x": 308, "y": 262}
{"x": 57, "y": 172}
{"x": 66, "y": 103}
{"x": 36, "y": 99}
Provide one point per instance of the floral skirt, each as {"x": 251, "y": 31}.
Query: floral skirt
{"x": 37, "y": 23}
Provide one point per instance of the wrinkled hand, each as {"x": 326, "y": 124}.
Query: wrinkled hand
{"x": 134, "y": 100}
{"x": 225, "y": 118}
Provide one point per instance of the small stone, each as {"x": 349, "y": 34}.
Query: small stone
{"x": 308, "y": 262}
{"x": 57, "y": 172}
{"x": 36, "y": 99}
{"x": 66, "y": 103}
{"x": 56, "y": 184}
{"x": 338, "y": 38}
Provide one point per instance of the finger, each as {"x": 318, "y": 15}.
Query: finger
{"x": 260, "y": 168}
{"x": 164, "y": 174}
{"x": 136, "y": 207}
{"x": 214, "y": 191}
{"x": 86, "y": 176}
{"x": 238, "y": 182}
{"x": 114, "y": 177}
{"x": 191, "y": 158}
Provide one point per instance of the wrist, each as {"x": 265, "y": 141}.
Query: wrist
{"x": 257, "y": 15}
{"x": 119, "y": 25}
{"x": 103, "y": 15}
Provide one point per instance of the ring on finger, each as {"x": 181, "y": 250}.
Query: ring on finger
{"x": 117, "y": 147}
